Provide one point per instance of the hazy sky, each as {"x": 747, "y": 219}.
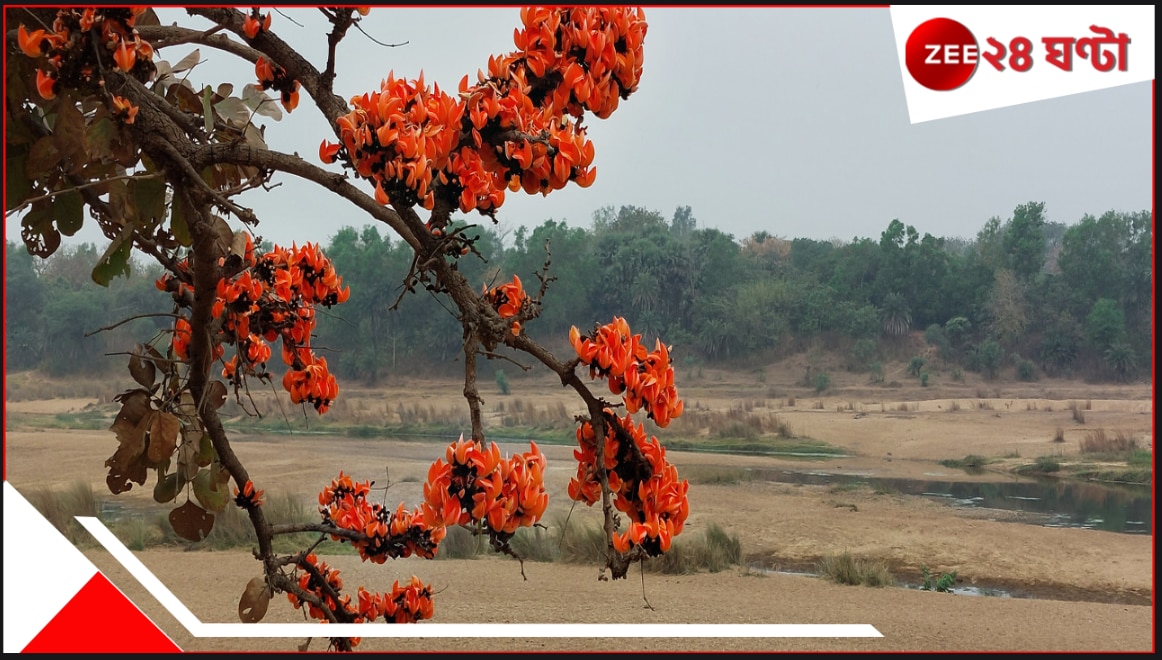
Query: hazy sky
{"x": 791, "y": 121}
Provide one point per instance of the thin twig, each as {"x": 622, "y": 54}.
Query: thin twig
{"x": 32, "y": 200}
{"x": 131, "y": 318}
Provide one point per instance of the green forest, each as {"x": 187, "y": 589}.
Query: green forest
{"x": 1026, "y": 297}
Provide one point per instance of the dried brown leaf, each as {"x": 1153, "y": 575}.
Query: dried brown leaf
{"x": 163, "y": 436}
{"x": 255, "y": 599}
{"x": 191, "y": 522}
{"x": 142, "y": 368}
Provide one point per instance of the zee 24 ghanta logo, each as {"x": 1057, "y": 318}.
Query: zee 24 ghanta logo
{"x": 942, "y": 54}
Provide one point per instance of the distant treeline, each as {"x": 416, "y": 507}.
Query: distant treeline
{"x": 1026, "y": 294}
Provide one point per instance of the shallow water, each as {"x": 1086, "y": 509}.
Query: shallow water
{"x": 1053, "y": 502}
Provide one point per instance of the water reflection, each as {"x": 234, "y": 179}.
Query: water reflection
{"x": 1063, "y": 503}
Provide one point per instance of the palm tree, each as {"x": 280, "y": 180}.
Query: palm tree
{"x": 1121, "y": 357}
{"x": 895, "y": 314}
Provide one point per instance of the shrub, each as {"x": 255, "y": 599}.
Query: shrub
{"x": 1026, "y": 370}
{"x": 502, "y": 382}
{"x": 822, "y": 382}
{"x": 1047, "y": 464}
{"x": 915, "y": 365}
{"x": 924, "y": 378}
{"x": 846, "y": 569}
{"x": 942, "y": 583}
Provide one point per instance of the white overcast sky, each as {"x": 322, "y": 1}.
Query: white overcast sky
{"x": 791, "y": 121}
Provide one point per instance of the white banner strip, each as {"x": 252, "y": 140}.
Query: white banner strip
{"x": 492, "y": 630}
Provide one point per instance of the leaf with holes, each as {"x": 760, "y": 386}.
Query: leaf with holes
{"x": 255, "y": 599}
{"x": 191, "y": 522}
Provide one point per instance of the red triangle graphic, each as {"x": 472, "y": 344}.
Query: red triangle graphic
{"x": 100, "y": 619}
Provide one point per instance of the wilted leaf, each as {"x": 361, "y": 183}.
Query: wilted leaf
{"x": 43, "y": 157}
{"x": 256, "y": 99}
{"x": 211, "y": 493}
{"x": 216, "y": 394}
{"x": 149, "y": 17}
{"x": 167, "y": 488}
{"x": 126, "y": 464}
{"x": 233, "y": 110}
{"x": 253, "y": 136}
{"x": 191, "y": 522}
{"x": 163, "y": 436}
{"x": 69, "y": 133}
{"x": 255, "y": 599}
{"x": 224, "y": 89}
{"x": 188, "y": 62}
{"x": 141, "y": 368}
{"x": 185, "y": 99}
{"x": 188, "y": 461}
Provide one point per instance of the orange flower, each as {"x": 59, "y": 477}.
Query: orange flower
{"x": 255, "y": 23}
{"x": 31, "y": 43}
{"x": 45, "y": 85}
{"x": 124, "y": 57}
{"x": 124, "y": 110}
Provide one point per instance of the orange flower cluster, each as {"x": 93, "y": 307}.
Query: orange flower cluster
{"x": 508, "y": 299}
{"x": 407, "y": 140}
{"x": 273, "y": 297}
{"x": 271, "y": 75}
{"x": 248, "y": 498}
{"x": 386, "y": 534}
{"x": 645, "y": 379}
{"x": 399, "y": 138}
{"x": 476, "y": 485}
{"x": 645, "y": 485}
{"x": 75, "y": 46}
{"x": 254, "y": 23}
{"x": 406, "y": 603}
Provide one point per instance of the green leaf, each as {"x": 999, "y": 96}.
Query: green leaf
{"x": 99, "y": 138}
{"x": 207, "y": 111}
{"x": 177, "y": 223}
{"x": 148, "y": 197}
{"x": 17, "y": 186}
{"x": 115, "y": 261}
{"x": 210, "y": 491}
{"x": 69, "y": 209}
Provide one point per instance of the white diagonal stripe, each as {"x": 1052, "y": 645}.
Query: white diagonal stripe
{"x": 492, "y": 630}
